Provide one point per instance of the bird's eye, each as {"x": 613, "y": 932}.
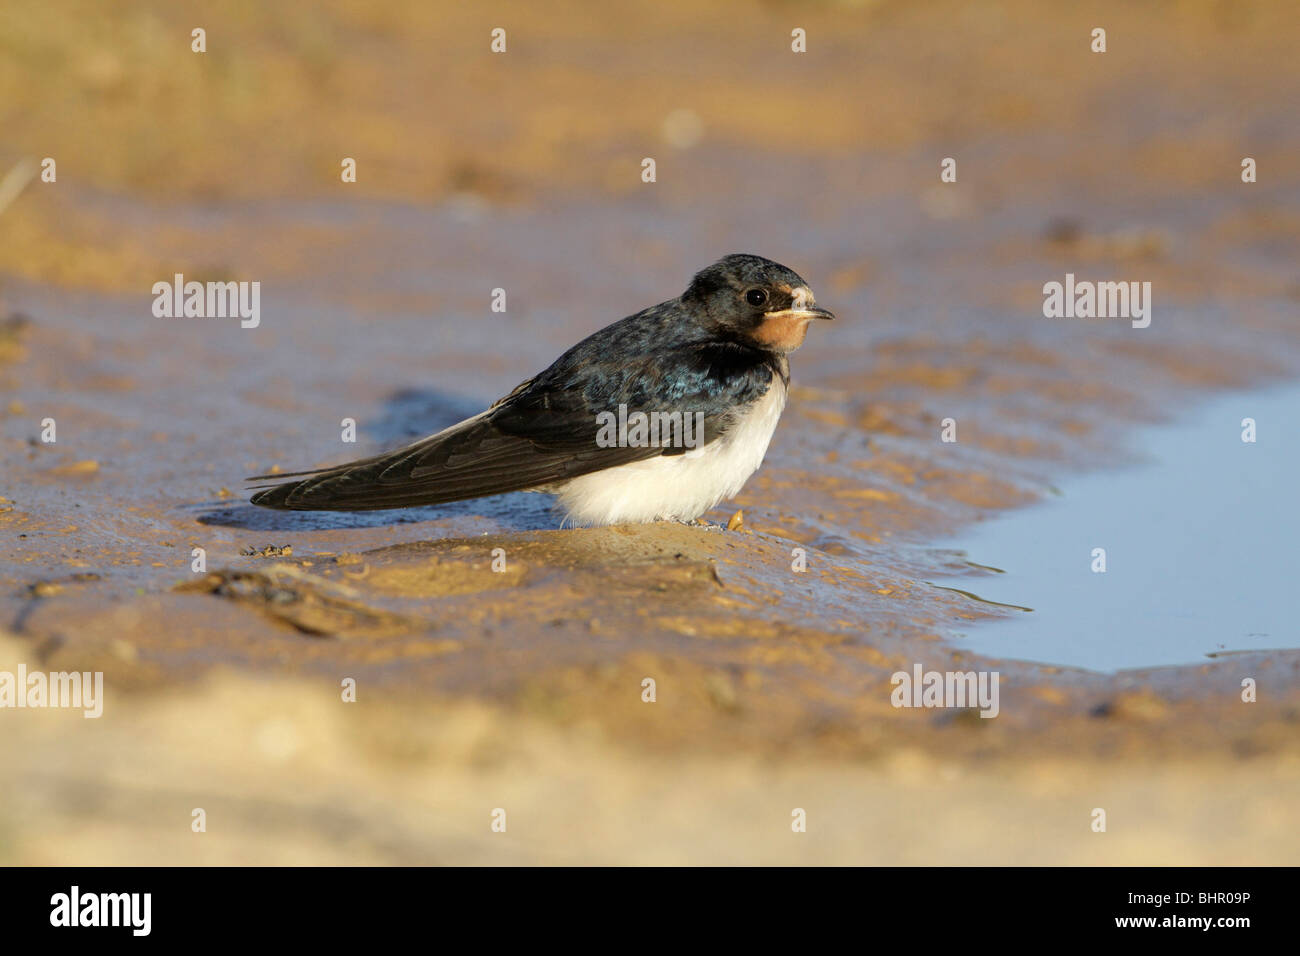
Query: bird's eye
{"x": 756, "y": 296}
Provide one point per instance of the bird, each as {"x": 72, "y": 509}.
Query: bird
{"x": 710, "y": 367}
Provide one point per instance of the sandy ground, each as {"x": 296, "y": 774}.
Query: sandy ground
{"x": 521, "y": 688}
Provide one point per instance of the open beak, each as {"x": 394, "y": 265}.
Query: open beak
{"x": 808, "y": 312}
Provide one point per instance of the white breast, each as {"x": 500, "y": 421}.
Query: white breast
{"x": 678, "y": 486}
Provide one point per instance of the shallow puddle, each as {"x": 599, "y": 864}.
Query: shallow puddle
{"x": 1200, "y": 544}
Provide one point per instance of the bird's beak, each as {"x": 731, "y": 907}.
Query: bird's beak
{"x": 807, "y": 312}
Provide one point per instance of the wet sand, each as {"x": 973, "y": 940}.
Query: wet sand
{"x": 522, "y": 688}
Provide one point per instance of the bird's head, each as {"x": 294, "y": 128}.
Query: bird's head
{"x": 756, "y": 300}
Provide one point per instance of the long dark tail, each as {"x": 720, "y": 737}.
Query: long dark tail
{"x": 453, "y": 465}
{"x": 470, "y": 460}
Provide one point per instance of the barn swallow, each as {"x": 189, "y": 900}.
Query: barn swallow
{"x": 714, "y": 355}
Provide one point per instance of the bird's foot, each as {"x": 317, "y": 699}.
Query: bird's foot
{"x": 699, "y": 523}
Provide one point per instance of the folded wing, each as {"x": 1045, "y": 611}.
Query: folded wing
{"x": 543, "y": 433}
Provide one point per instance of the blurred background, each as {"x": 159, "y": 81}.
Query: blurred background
{"x": 522, "y": 170}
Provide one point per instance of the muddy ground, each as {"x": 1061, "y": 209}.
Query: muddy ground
{"x": 521, "y": 688}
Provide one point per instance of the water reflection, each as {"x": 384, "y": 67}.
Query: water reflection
{"x": 1200, "y": 548}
